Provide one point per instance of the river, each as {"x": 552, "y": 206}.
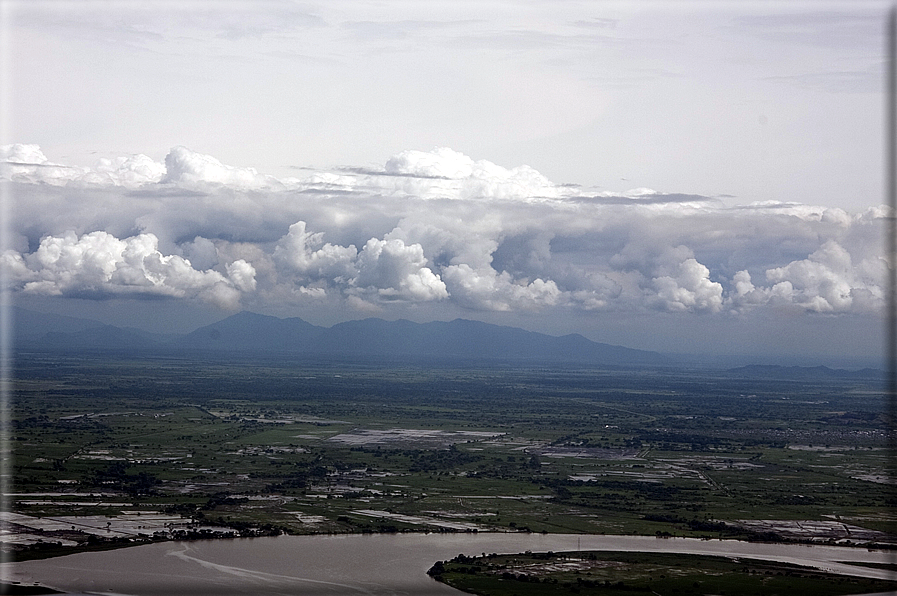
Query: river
{"x": 379, "y": 564}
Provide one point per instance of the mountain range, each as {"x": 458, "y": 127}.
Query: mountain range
{"x": 247, "y": 332}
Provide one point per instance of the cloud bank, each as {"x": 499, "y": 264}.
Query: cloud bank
{"x": 428, "y": 227}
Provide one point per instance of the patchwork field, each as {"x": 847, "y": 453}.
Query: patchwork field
{"x": 244, "y": 447}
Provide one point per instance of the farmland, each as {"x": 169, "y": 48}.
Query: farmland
{"x": 175, "y": 447}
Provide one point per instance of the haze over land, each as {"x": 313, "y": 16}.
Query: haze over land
{"x": 646, "y": 179}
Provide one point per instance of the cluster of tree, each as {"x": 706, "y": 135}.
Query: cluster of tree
{"x": 615, "y": 495}
{"x": 442, "y": 459}
{"x": 698, "y": 525}
{"x": 219, "y": 499}
{"x": 116, "y": 474}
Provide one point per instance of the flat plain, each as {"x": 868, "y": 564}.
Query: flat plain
{"x": 109, "y": 452}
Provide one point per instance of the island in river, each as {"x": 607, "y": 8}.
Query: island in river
{"x": 609, "y": 573}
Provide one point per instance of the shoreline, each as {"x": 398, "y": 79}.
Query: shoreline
{"x": 49, "y": 551}
{"x": 346, "y": 558}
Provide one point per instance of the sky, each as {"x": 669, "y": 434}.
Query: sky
{"x": 688, "y": 177}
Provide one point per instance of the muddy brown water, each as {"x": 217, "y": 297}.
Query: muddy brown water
{"x": 361, "y": 564}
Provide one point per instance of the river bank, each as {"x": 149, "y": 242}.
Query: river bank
{"x": 378, "y": 564}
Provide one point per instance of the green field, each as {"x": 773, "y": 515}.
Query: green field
{"x": 306, "y": 447}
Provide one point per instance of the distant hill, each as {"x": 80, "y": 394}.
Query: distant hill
{"x": 470, "y": 340}
{"x": 773, "y": 371}
{"x": 250, "y": 332}
{"x": 367, "y": 339}
{"x": 247, "y": 332}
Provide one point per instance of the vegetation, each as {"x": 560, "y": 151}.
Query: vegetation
{"x": 625, "y": 574}
{"x": 312, "y": 447}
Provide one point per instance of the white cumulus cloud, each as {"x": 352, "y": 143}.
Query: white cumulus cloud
{"x": 424, "y": 229}
{"x": 486, "y": 289}
{"x": 191, "y": 169}
{"x": 387, "y": 269}
{"x": 27, "y": 163}
{"x": 473, "y": 179}
{"x": 306, "y": 254}
{"x": 242, "y": 275}
{"x": 100, "y": 265}
{"x": 395, "y": 270}
{"x": 828, "y": 281}
{"x": 130, "y": 172}
{"x": 688, "y": 288}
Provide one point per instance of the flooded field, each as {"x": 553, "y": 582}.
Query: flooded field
{"x": 410, "y": 437}
{"x": 415, "y": 450}
{"x": 70, "y": 530}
